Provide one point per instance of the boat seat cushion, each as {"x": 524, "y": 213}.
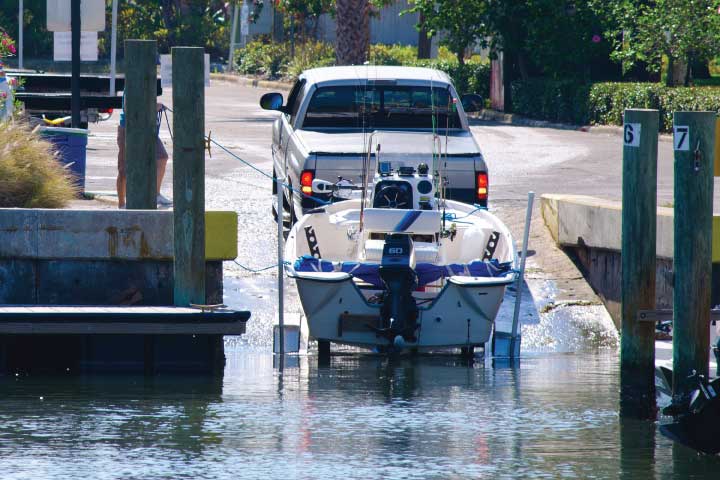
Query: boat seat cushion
{"x": 391, "y": 220}
{"x": 426, "y": 272}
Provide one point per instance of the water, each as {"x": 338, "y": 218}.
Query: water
{"x": 364, "y": 416}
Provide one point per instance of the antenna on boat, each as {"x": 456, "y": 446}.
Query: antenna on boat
{"x": 451, "y": 104}
{"x": 366, "y": 175}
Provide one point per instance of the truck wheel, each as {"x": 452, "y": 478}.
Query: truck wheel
{"x": 289, "y": 205}
{"x": 274, "y": 191}
{"x": 274, "y": 203}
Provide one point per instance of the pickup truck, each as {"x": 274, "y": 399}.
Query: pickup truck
{"x": 323, "y": 130}
{"x": 47, "y": 95}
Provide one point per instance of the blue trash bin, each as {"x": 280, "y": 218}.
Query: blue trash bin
{"x": 71, "y": 145}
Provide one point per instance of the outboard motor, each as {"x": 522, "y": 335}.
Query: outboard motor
{"x": 399, "y": 311}
{"x": 695, "y": 424}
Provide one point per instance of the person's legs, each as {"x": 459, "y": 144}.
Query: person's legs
{"x": 161, "y": 157}
{"x": 120, "y": 183}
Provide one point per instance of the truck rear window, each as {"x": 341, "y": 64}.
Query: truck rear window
{"x": 382, "y": 107}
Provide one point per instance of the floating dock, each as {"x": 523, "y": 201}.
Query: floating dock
{"x": 86, "y": 339}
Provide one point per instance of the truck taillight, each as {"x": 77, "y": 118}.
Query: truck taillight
{"x": 481, "y": 186}
{"x": 106, "y": 110}
{"x": 306, "y": 179}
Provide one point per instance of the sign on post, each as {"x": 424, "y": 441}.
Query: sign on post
{"x": 631, "y": 134}
{"x": 92, "y": 15}
{"x": 166, "y": 70}
{"x": 62, "y": 47}
{"x": 681, "y": 138}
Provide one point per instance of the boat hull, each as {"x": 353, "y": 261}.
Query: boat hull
{"x": 462, "y": 314}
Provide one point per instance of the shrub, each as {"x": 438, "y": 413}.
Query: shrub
{"x": 381, "y": 54}
{"x": 604, "y": 103}
{"x": 30, "y": 176}
{"x": 273, "y": 60}
{"x": 554, "y": 100}
{"x": 262, "y": 57}
{"x": 473, "y": 77}
{"x": 310, "y": 54}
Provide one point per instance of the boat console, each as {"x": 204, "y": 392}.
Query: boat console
{"x": 404, "y": 187}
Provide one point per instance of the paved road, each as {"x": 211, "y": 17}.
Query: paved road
{"x": 232, "y": 115}
{"x": 520, "y": 158}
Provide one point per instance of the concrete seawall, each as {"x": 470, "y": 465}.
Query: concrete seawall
{"x": 101, "y": 257}
{"x": 589, "y": 229}
{"x": 104, "y": 257}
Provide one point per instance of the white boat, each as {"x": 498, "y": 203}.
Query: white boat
{"x": 400, "y": 267}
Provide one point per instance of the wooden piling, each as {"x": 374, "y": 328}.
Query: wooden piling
{"x": 693, "y": 143}
{"x": 188, "y": 66}
{"x": 639, "y": 217}
{"x": 141, "y": 123}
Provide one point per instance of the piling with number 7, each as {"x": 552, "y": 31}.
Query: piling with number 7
{"x": 639, "y": 217}
{"x": 694, "y": 144}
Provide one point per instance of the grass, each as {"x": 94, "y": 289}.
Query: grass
{"x": 30, "y": 174}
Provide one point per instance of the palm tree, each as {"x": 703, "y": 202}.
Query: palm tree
{"x": 353, "y": 31}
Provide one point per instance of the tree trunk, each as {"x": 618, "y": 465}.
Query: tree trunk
{"x": 168, "y": 13}
{"x": 353, "y": 31}
{"x": 522, "y": 66}
{"x": 278, "y": 33}
{"x": 424, "y": 42}
{"x": 700, "y": 68}
{"x": 676, "y": 72}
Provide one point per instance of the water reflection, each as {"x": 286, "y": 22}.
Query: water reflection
{"x": 363, "y": 416}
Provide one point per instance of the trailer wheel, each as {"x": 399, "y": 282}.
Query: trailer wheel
{"x": 323, "y": 352}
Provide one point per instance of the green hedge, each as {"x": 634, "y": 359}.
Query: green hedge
{"x": 557, "y": 101}
{"x": 273, "y": 61}
{"x": 604, "y": 103}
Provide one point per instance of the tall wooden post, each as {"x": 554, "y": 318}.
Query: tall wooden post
{"x": 75, "y": 30}
{"x": 141, "y": 123}
{"x": 639, "y": 217}
{"x": 693, "y": 142}
{"x": 188, "y": 80}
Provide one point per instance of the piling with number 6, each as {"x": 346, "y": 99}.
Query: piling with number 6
{"x": 639, "y": 220}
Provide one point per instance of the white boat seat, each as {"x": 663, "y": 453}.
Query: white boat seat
{"x": 387, "y": 220}
{"x": 424, "y": 252}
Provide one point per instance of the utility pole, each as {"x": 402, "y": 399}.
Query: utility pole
{"x": 113, "y": 47}
{"x": 233, "y": 32}
{"x": 75, "y": 27}
{"x": 21, "y": 14}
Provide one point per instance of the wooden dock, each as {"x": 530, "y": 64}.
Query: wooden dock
{"x": 87, "y": 339}
{"x": 101, "y": 320}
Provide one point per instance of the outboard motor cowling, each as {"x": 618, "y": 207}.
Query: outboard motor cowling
{"x": 399, "y": 310}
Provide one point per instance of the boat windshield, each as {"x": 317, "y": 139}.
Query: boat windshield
{"x": 373, "y": 107}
